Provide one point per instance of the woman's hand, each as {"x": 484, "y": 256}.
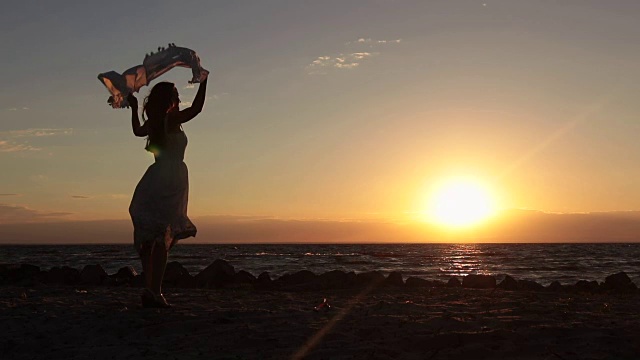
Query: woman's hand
{"x": 133, "y": 102}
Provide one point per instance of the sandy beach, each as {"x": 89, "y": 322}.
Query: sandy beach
{"x": 75, "y": 322}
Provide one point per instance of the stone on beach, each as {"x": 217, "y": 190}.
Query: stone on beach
{"x": 298, "y": 278}
{"x": 18, "y": 273}
{"x": 587, "y": 286}
{"x": 178, "y": 276}
{"x": 479, "y": 281}
{"x": 93, "y": 275}
{"x": 454, "y": 282}
{"x": 64, "y": 275}
{"x": 244, "y": 277}
{"x": 415, "y": 282}
{"x": 127, "y": 272}
{"x": 394, "y": 279}
{"x": 556, "y": 286}
{"x": 529, "y": 285}
{"x": 218, "y": 274}
{"x": 263, "y": 282}
{"x": 620, "y": 283}
{"x": 337, "y": 279}
{"x": 370, "y": 278}
{"x": 508, "y": 283}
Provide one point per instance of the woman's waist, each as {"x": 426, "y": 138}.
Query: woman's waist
{"x": 169, "y": 161}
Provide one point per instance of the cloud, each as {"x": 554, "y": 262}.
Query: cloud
{"x": 185, "y": 103}
{"x": 343, "y": 61}
{"x": 9, "y": 144}
{"x": 36, "y": 133}
{"x": 80, "y": 197}
{"x": 21, "y": 214}
{"x": 119, "y": 196}
{"x": 9, "y": 194}
{"x": 373, "y": 42}
{"x": 513, "y": 226}
{"x": 189, "y": 86}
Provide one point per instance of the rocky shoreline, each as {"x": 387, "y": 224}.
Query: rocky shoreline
{"x": 221, "y": 313}
{"x": 220, "y": 274}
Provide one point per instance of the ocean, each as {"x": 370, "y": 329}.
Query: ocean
{"x": 544, "y": 263}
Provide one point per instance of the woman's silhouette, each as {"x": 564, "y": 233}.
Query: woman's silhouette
{"x": 159, "y": 205}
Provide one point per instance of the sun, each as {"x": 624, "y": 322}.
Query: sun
{"x": 460, "y": 203}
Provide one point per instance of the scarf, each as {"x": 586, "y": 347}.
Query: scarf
{"x": 154, "y": 65}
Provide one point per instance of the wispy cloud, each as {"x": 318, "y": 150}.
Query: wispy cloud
{"x": 189, "y": 86}
{"x": 185, "y": 103}
{"x": 16, "y": 140}
{"x": 342, "y": 61}
{"x": 9, "y": 146}
{"x": 18, "y": 108}
{"x": 9, "y": 194}
{"x": 323, "y": 64}
{"x": 101, "y": 196}
{"x": 372, "y": 42}
{"x": 22, "y": 214}
{"x": 36, "y": 132}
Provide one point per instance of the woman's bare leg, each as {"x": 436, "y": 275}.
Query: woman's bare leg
{"x": 147, "y": 264}
{"x": 159, "y": 257}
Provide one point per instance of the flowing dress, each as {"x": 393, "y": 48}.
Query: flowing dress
{"x": 159, "y": 205}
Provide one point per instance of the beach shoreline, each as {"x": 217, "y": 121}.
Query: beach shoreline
{"x": 380, "y": 322}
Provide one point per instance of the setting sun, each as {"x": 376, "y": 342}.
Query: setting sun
{"x": 460, "y": 203}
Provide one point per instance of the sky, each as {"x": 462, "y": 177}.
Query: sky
{"x": 327, "y": 111}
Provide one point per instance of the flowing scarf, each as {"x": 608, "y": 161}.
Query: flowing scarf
{"x": 154, "y": 65}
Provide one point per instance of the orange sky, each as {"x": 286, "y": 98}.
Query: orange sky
{"x": 331, "y": 110}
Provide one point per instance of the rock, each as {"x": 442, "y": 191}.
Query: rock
{"x": 555, "y": 287}
{"x": 25, "y": 274}
{"x": 127, "y": 272}
{"x": 619, "y": 283}
{"x": 4, "y": 274}
{"x": 508, "y": 283}
{"x": 369, "y": 278}
{"x": 218, "y": 274}
{"x": 63, "y": 275}
{"x": 394, "y": 279}
{"x": 414, "y": 282}
{"x": 264, "y": 277}
{"x": 529, "y": 285}
{"x": 244, "y": 277}
{"x": 176, "y": 275}
{"x": 124, "y": 276}
{"x": 438, "y": 284}
{"x": 479, "y": 281}
{"x": 303, "y": 277}
{"x": 337, "y": 279}
{"x": 587, "y": 286}
{"x": 186, "y": 281}
{"x": 138, "y": 281}
{"x": 454, "y": 282}
{"x": 93, "y": 275}
{"x": 27, "y": 271}
{"x": 263, "y": 282}
{"x": 173, "y": 272}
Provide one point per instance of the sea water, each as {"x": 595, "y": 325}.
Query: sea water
{"x": 543, "y": 263}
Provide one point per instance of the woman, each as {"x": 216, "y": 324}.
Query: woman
{"x": 159, "y": 205}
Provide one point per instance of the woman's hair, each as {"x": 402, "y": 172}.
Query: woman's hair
{"x": 160, "y": 100}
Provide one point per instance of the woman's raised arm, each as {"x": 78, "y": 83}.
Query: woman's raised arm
{"x": 195, "y": 108}
{"x": 138, "y": 130}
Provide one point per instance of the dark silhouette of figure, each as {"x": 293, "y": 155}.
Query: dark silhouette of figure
{"x": 159, "y": 205}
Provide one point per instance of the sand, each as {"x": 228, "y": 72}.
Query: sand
{"x": 60, "y": 322}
